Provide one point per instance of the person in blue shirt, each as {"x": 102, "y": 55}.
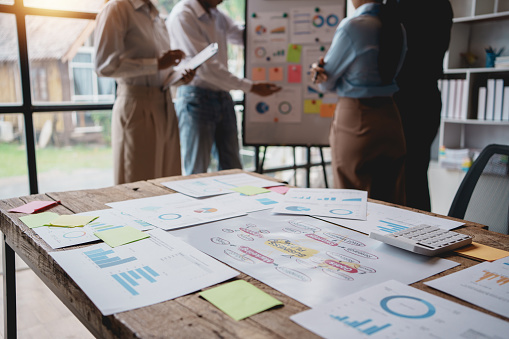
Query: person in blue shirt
{"x": 366, "y": 135}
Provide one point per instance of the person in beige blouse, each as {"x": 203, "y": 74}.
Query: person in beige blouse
{"x": 132, "y": 45}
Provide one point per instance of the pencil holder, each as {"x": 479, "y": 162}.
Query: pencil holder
{"x": 490, "y": 59}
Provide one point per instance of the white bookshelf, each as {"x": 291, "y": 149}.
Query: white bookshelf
{"x": 477, "y": 24}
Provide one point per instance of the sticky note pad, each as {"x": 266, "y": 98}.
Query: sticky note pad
{"x": 250, "y": 190}
{"x": 258, "y": 74}
{"x": 294, "y": 53}
{"x": 240, "y": 299}
{"x": 479, "y": 251}
{"x": 279, "y": 189}
{"x": 121, "y": 235}
{"x": 276, "y": 74}
{"x": 312, "y": 106}
{"x": 295, "y": 74}
{"x": 327, "y": 110}
{"x": 39, "y": 219}
{"x": 71, "y": 220}
{"x": 34, "y": 206}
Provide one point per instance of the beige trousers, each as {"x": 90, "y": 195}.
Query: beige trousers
{"x": 368, "y": 148}
{"x": 145, "y": 135}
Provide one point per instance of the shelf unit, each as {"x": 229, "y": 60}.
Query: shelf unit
{"x": 477, "y": 24}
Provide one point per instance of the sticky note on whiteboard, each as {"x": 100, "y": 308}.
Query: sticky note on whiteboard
{"x": 258, "y": 74}
{"x": 295, "y": 74}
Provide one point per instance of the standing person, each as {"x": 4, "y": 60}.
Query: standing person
{"x": 205, "y": 109}
{"x": 366, "y": 136}
{"x": 418, "y": 99}
{"x": 132, "y": 45}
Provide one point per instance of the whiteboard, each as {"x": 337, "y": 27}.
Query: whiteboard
{"x": 283, "y": 39}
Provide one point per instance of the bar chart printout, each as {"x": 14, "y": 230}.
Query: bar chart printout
{"x": 141, "y": 273}
{"x": 395, "y": 310}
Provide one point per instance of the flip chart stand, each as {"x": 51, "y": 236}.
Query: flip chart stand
{"x": 259, "y": 164}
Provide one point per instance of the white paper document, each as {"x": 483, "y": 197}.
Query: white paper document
{"x": 388, "y": 219}
{"x": 335, "y": 203}
{"x": 176, "y": 210}
{"x": 193, "y": 63}
{"x": 141, "y": 273}
{"x": 394, "y": 310}
{"x": 220, "y": 184}
{"x": 58, "y": 237}
{"x": 308, "y": 259}
{"x": 485, "y": 285}
{"x": 248, "y": 203}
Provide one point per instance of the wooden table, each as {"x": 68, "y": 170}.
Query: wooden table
{"x": 185, "y": 317}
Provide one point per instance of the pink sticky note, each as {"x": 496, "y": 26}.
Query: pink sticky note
{"x": 279, "y": 189}
{"x": 276, "y": 74}
{"x": 258, "y": 74}
{"x": 34, "y": 206}
{"x": 295, "y": 74}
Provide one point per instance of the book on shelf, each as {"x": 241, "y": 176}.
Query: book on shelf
{"x": 445, "y": 93}
{"x": 505, "y": 104}
{"x": 499, "y": 97}
{"x": 451, "y": 99}
{"x": 490, "y": 99}
{"x": 481, "y": 104}
{"x": 502, "y": 62}
{"x": 464, "y": 99}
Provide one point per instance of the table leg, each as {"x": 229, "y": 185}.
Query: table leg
{"x": 9, "y": 277}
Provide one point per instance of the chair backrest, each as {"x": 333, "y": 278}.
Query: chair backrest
{"x": 483, "y": 195}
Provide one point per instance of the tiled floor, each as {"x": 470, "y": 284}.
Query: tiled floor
{"x": 41, "y": 315}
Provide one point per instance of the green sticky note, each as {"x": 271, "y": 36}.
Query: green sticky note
{"x": 240, "y": 299}
{"x": 294, "y": 53}
{"x": 72, "y": 220}
{"x": 121, "y": 236}
{"x": 250, "y": 190}
{"x": 39, "y": 219}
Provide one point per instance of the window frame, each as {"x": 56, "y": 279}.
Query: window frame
{"x": 27, "y": 107}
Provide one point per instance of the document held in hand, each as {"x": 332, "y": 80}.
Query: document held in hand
{"x": 195, "y": 62}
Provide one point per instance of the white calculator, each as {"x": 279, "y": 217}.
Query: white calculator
{"x": 424, "y": 239}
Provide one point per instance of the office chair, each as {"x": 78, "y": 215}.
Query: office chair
{"x": 483, "y": 195}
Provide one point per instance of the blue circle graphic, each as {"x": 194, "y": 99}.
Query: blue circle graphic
{"x": 332, "y": 20}
{"x": 297, "y": 208}
{"x": 429, "y": 313}
{"x": 340, "y": 211}
{"x": 170, "y": 216}
{"x": 262, "y": 107}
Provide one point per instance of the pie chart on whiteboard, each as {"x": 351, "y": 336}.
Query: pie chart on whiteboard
{"x": 262, "y": 107}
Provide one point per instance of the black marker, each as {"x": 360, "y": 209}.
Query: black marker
{"x": 320, "y": 64}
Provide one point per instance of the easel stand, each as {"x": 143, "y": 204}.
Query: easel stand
{"x": 259, "y": 164}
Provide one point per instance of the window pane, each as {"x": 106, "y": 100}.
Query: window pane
{"x": 10, "y": 84}
{"x": 106, "y": 86}
{"x": 73, "y": 150}
{"x": 13, "y": 166}
{"x": 7, "y": 2}
{"x": 60, "y": 52}
{"x": 68, "y": 5}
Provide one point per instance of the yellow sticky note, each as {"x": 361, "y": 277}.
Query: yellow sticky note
{"x": 39, "y": 219}
{"x": 250, "y": 190}
{"x": 258, "y": 74}
{"x": 121, "y": 235}
{"x": 71, "y": 220}
{"x": 240, "y": 299}
{"x": 479, "y": 251}
{"x": 312, "y": 106}
{"x": 294, "y": 53}
{"x": 327, "y": 110}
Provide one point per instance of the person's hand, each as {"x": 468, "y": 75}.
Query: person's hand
{"x": 170, "y": 58}
{"x": 187, "y": 77}
{"x": 318, "y": 74}
{"x": 264, "y": 89}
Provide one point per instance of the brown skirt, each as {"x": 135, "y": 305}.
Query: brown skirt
{"x": 368, "y": 148}
{"x": 145, "y": 135}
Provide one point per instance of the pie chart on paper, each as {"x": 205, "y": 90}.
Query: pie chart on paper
{"x": 206, "y": 210}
